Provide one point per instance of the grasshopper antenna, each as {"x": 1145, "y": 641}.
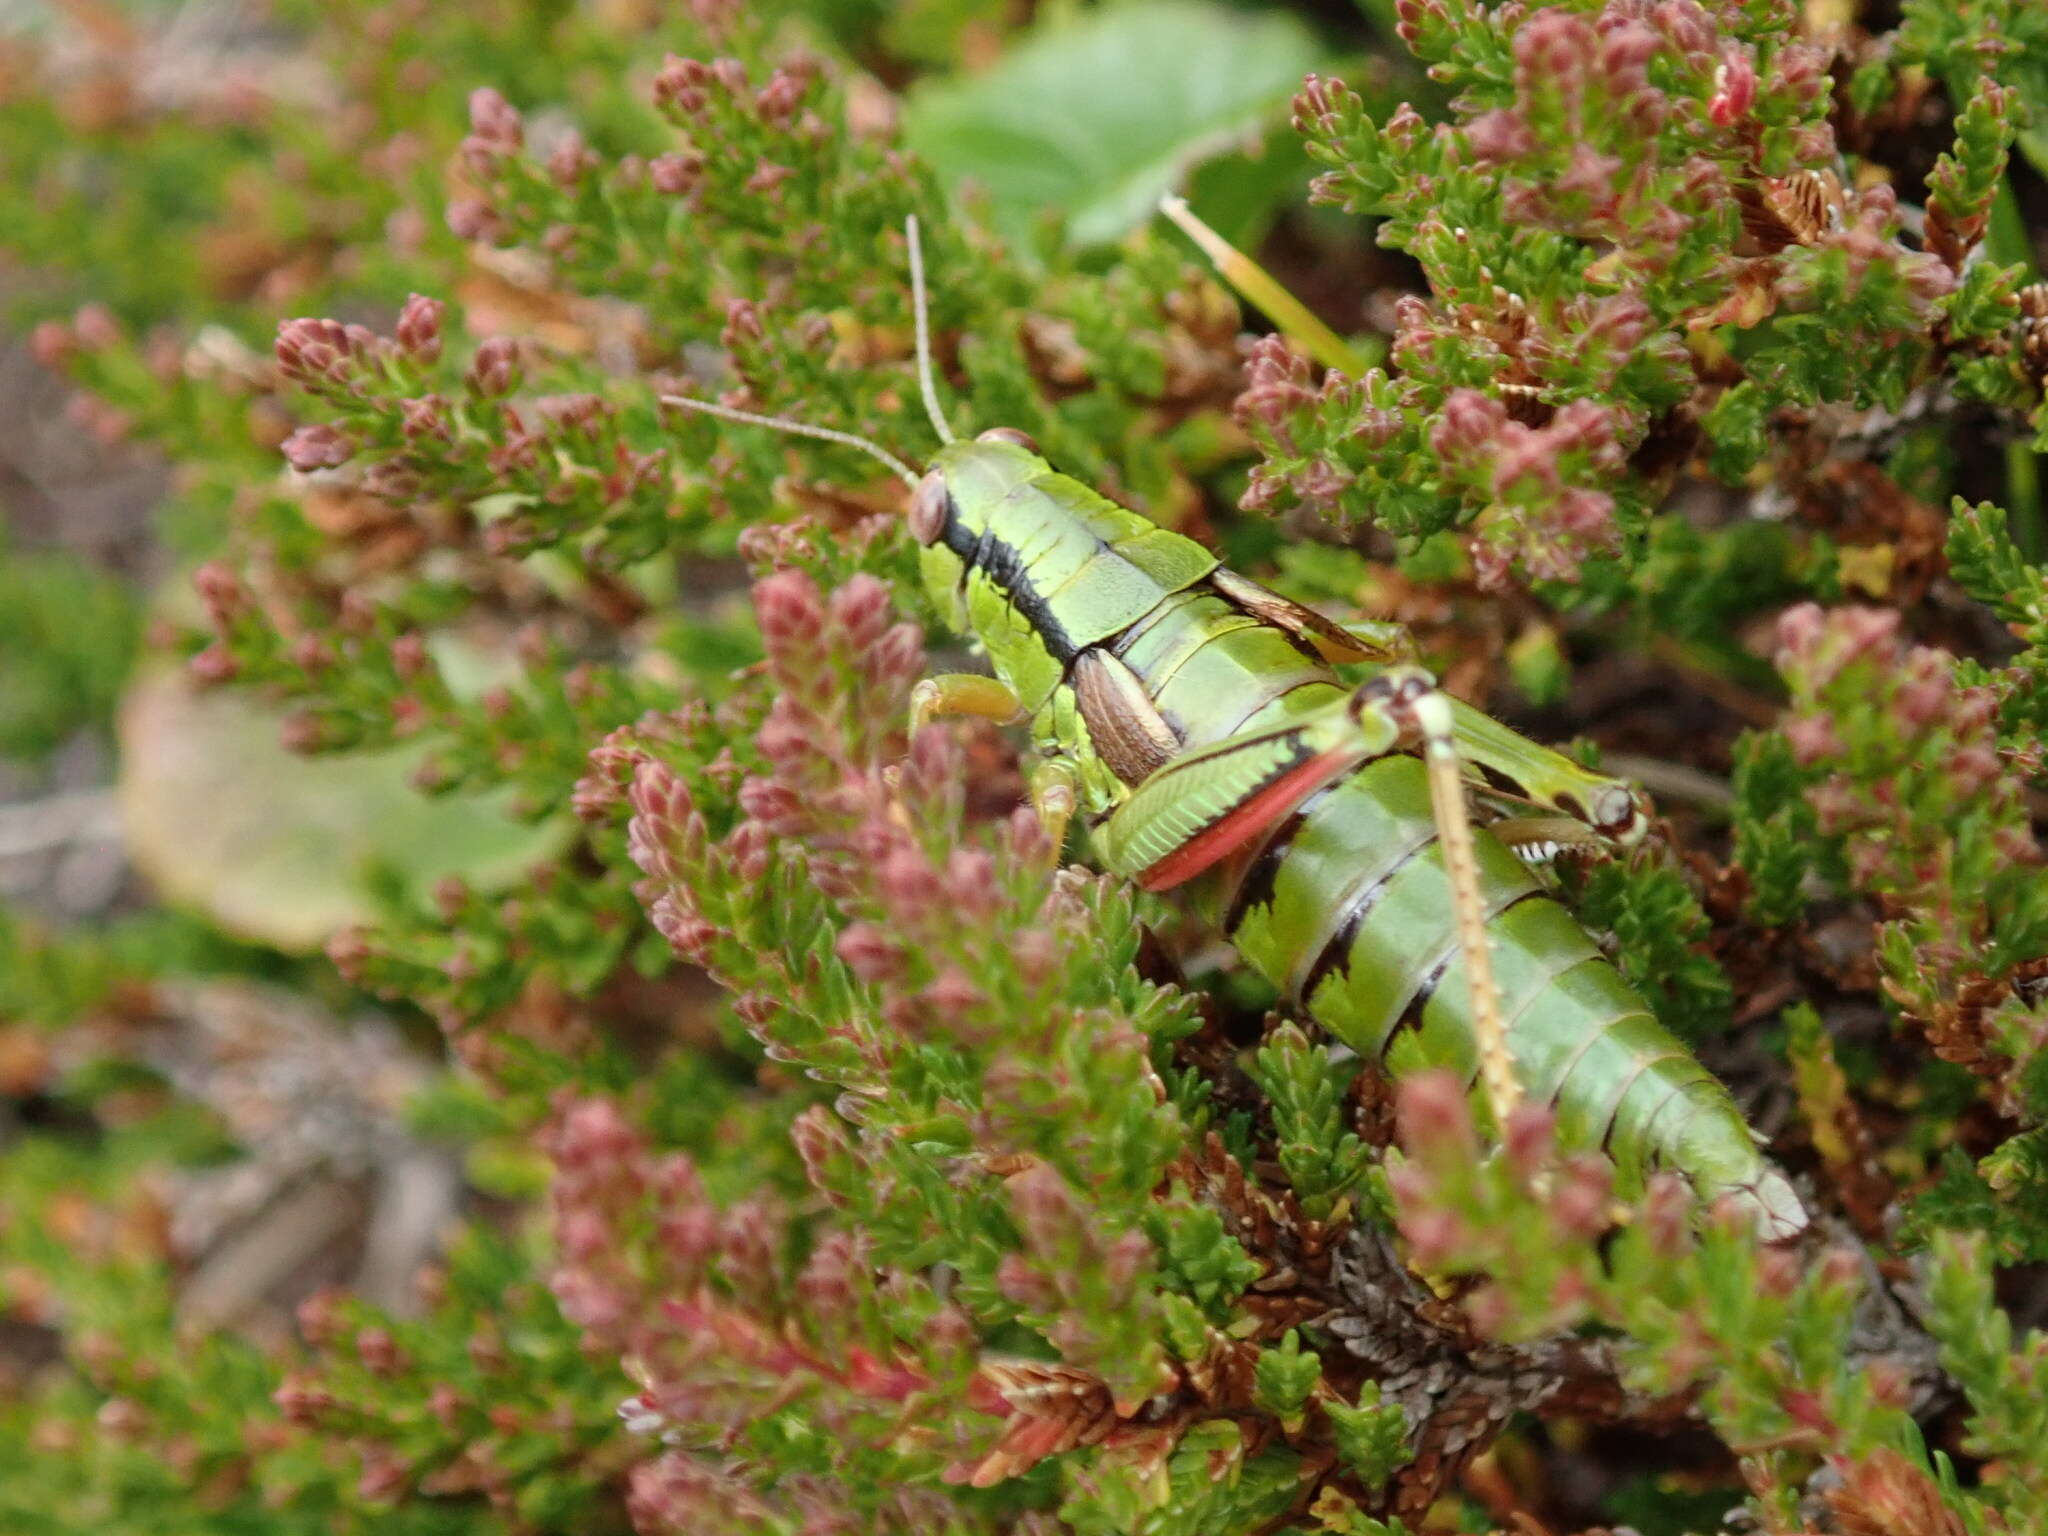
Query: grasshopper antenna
{"x": 920, "y": 310}
{"x": 897, "y": 467}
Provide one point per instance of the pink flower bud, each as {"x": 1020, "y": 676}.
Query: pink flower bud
{"x": 570, "y": 161}
{"x": 1277, "y": 384}
{"x": 592, "y": 1133}
{"x": 1734, "y": 86}
{"x": 675, "y": 175}
{"x": 952, "y": 995}
{"x": 1578, "y": 1203}
{"x": 1024, "y": 1284}
{"x": 1556, "y": 47}
{"x": 349, "y": 952}
{"x": 1799, "y": 631}
{"x": 1812, "y": 739}
{"x": 583, "y": 1235}
{"x": 742, "y": 327}
{"x": 495, "y": 369}
{"x": 1435, "y": 1236}
{"x": 767, "y": 177}
{"x": 1469, "y": 422}
{"x": 219, "y": 589}
{"x": 494, "y": 120}
{"x": 317, "y": 447}
{"x": 693, "y": 939}
{"x": 898, "y": 657}
{"x": 1529, "y": 1140}
{"x": 303, "y": 731}
{"x": 216, "y": 664}
{"x": 310, "y": 349}
{"x": 311, "y": 654}
{"x": 471, "y": 218}
{"x": 1434, "y": 1120}
{"x": 317, "y": 1316}
{"x": 861, "y": 610}
{"x": 1126, "y": 1258}
{"x": 680, "y": 86}
{"x": 1868, "y": 631}
{"x": 1500, "y": 135}
{"x": 868, "y": 953}
{"x": 1800, "y": 71}
{"x": 95, "y": 328}
{"x": 909, "y": 884}
{"x": 750, "y": 850}
{"x": 1667, "y": 1210}
{"x": 302, "y": 1403}
{"x": 53, "y": 344}
{"x": 1625, "y": 49}
{"x": 445, "y": 1404}
{"x": 419, "y": 327}
{"x": 379, "y": 1352}
{"x": 451, "y": 897}
{"x": 1778, "y": 1271}
{"x": 1973, "y": 768}
{"x": 790, "y": 610}
{"x": 781, "y": 97}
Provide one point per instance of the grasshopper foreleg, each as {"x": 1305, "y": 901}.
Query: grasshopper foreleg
{"x": 1054, "y": 782}
{"x": 963, "y": 693}
{"x": 1055, "y": 787}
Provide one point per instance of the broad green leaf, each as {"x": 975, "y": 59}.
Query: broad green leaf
{"x": 276, "y": 847}
{"x": 1099, "y": 116}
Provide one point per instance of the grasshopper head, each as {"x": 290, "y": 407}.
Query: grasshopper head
{"x": 954, "y": 504}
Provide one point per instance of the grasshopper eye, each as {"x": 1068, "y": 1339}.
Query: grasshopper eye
{"x": 1616, "y": 813}
{"x": 1008, "y": 435}
{"x": 929, "y": 505}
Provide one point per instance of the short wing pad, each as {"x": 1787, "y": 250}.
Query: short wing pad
{"x": 1206, "y": 804}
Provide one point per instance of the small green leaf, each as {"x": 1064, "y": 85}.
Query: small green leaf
{"x": 1284, "y": 1377}
{"x": 1987, "y": 564}
{"x": 1068, "y": 120}
{"x": 1371, "y": 1438}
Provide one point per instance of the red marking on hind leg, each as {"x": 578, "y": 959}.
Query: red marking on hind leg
{"x": 1236, "y": 827}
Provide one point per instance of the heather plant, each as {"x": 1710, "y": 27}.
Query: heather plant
{"x": 798, "y": 1138}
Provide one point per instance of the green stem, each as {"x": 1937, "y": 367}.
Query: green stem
{"x": 1259, "y": 288}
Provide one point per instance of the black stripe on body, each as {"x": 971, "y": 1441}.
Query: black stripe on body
{"x": 1356, "y": 911}
{"x": 1411, "y": 1016}
{"x": 1675, "y": 1091}
{"x": 1655, "y": 1136}
{"x": 1001, "y": 564}
{"x": 1495, "y": 779}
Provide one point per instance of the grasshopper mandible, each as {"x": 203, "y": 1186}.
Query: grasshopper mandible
{"x": 1195, "y": 721}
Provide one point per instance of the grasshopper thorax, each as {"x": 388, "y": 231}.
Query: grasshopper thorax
{"x": 967, "y": 479}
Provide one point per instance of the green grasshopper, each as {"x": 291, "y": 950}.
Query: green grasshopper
{"x": 1196, "y": 721}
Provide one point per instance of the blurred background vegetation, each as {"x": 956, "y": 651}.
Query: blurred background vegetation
{"x": 304, "y": 1074}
